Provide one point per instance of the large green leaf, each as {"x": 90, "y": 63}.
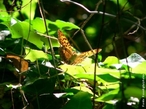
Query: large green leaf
{"x": 37, "y": 24}
{"x": 66, "y": 25}
{"x": 58, "y": 24}
{"x": 81, "y": 100}
{"x": 87, "y": 72}
{"x": 34, "y": 55}
{"x": 110, "y": 97}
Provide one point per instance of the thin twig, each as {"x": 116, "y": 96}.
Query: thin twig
{"x": 84, "y": 23}
{"x": 12, "y": 98}
{"x": 49, "y": 40}
{"x": 92, "y": 12}
{"x": 24, "y": 97}
{"x": 138, "y": 22}
{"x": 91, "y": 15}
{"x": 100, "y": 12}
{"x": 96, "y": 57}
{"x": 47, "y": 36}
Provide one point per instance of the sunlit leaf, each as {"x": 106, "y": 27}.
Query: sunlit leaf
{"x": 111, "y": 60}
{"x": 34, "y": 55}
{"x": 140, "y": 69}
{"x": 67, "y": 25}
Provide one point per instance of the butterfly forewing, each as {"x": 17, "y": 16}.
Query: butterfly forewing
{"x": 63, "y": 40}
{"x": 65, "y": 51}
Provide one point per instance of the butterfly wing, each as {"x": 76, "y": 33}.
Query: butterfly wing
{"x": 68, "y": 55}
{"x": 63, "y": 40}
{"x": 66, "y": 52}
{"x": 91, "y": 52}
{"x": 79, "y": 58}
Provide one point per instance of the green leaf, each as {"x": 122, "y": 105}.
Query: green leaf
{"x": 39, "y": 81}
{"x": 23, "y": 29}
{"x": 34, "y": 55}
{"x": 66, "y": 25}
{"x": 122, "y": 3}
{"x": 72, "y": 70}
{"x": 26, "y": 9}
{"x": 4, "y": 17}
{"x": 83, "y": 88}
{"x": 134, "y": 92}
{"x": 53, "y": 26}
{"x": 81, "y": 100}
{"x": 41, "y": 85}
{"x": 111, "y": 97}
{"x": 54, "y": 41}
{"x": 37, "y": 24}
{"x": 111, "y": 60}
{"x": 108, "y": 106}
{"x": 140, "y": 69}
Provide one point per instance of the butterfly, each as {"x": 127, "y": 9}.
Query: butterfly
{"x": 69, "y": 55}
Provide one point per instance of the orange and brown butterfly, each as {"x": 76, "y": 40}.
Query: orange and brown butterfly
{"x": 67, "y": 53}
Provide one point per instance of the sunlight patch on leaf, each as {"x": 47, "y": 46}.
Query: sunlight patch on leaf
{"x": 72, "y": 69}
{"x": 23, "y": 29}
{"x": 111, "y": 60}
{"x": 140, "y": 69}
{"x": 34, "y": 55}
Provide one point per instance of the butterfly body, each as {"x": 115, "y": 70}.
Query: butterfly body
{"x": 70, "y": 56}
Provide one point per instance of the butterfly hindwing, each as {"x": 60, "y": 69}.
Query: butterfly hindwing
{"x": 66, "y": 54}
{"x": 81, "y": 56}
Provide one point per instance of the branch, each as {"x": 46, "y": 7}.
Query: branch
{"x": 100, "y": 12}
